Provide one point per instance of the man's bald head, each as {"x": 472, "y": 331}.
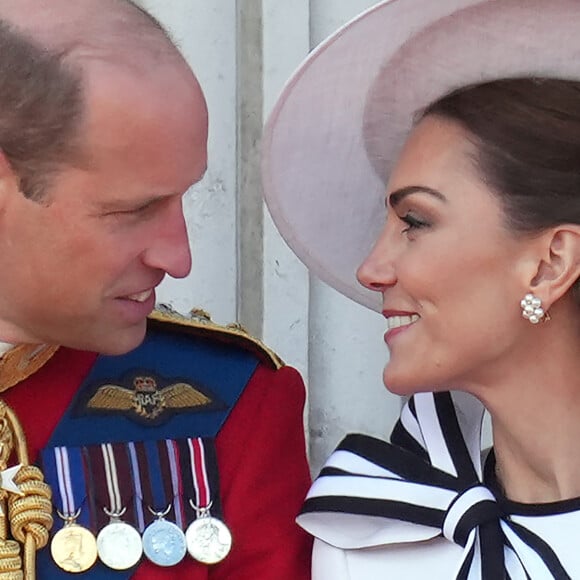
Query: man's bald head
{"x": 47, "y": 49}
{"x": 118, "y": 29}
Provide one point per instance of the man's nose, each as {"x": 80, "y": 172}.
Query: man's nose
{"x": 169, "y": 250}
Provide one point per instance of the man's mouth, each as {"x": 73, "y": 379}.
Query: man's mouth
{"x": 140, "y": 296}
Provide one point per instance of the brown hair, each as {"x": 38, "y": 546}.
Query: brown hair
{"x": 40, "y": 109}
{"x": 527, "y": 134}
{"x": 41, "y": 88}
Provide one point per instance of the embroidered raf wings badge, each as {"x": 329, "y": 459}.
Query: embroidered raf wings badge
{"x": 145, "y": 401}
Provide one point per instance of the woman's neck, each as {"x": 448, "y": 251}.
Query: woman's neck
{"x": 535, "y": 416}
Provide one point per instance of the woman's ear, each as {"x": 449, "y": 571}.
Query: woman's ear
{"x": 559, "y": 267}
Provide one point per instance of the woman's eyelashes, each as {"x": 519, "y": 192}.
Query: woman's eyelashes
{"x": 413, "y": 222}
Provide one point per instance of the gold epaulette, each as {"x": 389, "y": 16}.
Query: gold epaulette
{"x": 199, "y": 323}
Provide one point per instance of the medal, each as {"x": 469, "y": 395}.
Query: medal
{"x": 119, "y": 544}
{"x": 73, "y": 548}
{"x": 209, "y": 540}
{"x": 164, "y": 542}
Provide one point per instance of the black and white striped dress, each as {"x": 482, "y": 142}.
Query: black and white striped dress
{"x": 427, "y": 505}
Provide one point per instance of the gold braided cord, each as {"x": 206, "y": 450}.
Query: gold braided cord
{"x": 10, "y": 560}
{"x": 30, "y": 515}
{"x": 32, "y": 512}
{"x": 16, "y": 427}
{"x": 30, "y": 549}
{"x": 6, "y": 436}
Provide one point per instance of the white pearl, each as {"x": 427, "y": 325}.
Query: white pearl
{"x": 536, "y": 302}
{"x": 539, "y": 312}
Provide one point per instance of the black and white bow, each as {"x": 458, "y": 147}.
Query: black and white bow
{"x": 427, "y": 482}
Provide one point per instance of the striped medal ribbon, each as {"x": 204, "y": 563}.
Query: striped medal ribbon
{"x": 163, "y": 540}
{"x": 73, "y": 547}
{"x": 208, "y": 538}
{"x": 119, "y": 544}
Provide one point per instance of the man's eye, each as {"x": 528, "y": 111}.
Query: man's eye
{"x": 136, "y": 211}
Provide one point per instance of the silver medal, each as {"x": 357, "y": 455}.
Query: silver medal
{"x": 119, "y": 544}
{"x": 209, "y": 540}
{"x": 164, "y": 542}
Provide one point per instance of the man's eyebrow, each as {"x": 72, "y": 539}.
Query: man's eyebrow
{"x": 397, "y": 196}
{"x": 126, "y": 204}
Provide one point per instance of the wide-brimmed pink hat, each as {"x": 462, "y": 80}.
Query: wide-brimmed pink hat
{"x": 335, "y": 132}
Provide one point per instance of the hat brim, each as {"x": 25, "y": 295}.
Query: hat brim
{"x": 328, "y": 149}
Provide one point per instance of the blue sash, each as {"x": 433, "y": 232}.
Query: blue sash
{"x": 173, "y": 387}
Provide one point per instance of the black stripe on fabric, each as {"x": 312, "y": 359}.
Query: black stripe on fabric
{"x": 492, "y": 545}
{"x": 412, "y": 407}
{"x": 402, "y": 438}
{"x": 398, "y": 460}
{"x": 547, "y": 555}
{"x": 333, "y": 471}
{"x": 478, "y": 514}
{"x": 449, "y": 423}
{"x": 376, "y": 507}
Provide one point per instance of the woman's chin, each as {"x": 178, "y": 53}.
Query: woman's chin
{"x": 403, "y": 384}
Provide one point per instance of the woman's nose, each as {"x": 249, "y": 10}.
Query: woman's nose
{"x": 377, "y": 272}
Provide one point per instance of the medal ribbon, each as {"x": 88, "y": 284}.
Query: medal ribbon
{"x": 138, "y": 483}
{"x": 199, "y": 472}
{"x": 199, "y": 475}
{"x": 111, "y": 473}
{"x": 115, "y": 500}
{"x": 157, "y": 481}
{"x": 176, "y": 482}
{"x": 65, "y": 468}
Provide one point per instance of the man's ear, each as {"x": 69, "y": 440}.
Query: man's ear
{"x": 559, "y": 266}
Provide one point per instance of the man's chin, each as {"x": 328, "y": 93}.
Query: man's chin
{"x": 114, "y": 341}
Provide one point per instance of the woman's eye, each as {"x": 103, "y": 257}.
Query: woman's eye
{"x": 413, "y": 223}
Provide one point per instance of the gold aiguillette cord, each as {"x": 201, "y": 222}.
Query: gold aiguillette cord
{"x": 25, "y": 518}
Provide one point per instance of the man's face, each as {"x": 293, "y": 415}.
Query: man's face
{"x": 80, "y": 268}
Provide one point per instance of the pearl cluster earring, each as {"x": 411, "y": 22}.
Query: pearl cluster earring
{"x": 532, "y": 308}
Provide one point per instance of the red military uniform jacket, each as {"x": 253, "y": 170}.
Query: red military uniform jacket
{"x": 260, "y": 456}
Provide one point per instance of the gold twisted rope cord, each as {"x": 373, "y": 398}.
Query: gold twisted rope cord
{"x": 27, "y": 518}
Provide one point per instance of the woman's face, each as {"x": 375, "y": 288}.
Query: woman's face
{"x": 447, "y": 266}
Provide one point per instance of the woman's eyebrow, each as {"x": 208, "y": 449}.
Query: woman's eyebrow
{"x": 397, "y": 196}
